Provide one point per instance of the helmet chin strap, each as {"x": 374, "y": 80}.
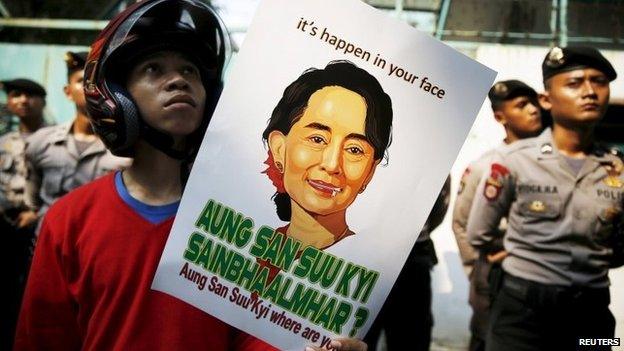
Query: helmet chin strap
{"x": 162, "y": 142}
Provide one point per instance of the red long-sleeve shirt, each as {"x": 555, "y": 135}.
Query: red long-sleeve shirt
{"x": 89, "y": 285}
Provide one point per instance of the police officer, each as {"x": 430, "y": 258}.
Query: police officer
{"x": 63, "y": 157}
{"x": 563, "y": 194}
{"x": 6, "y": 120}
{"x": 515, "y": 107}
{"x": 26, "y": 100}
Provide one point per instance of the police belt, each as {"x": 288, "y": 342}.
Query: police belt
{"x": 539, "y": 294}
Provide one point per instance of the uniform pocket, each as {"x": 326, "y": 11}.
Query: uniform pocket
{"x": 540, "y": 208}
{"x": 608, "y": 214}
{"x": 607, "y": 217}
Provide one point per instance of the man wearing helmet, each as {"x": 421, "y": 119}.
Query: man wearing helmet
{"x": 152, "y": 81}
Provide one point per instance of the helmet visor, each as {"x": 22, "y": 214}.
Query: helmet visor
{"x": 186, "y": 25}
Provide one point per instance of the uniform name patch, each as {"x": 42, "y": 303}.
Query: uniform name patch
{"x": 537, "y": 189}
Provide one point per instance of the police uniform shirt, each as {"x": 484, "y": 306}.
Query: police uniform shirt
{"x": 559, "y": 222}
{"x": 55, "y": 165}
{"x": 463, "y": 202}
{"x": 12, "y": 171}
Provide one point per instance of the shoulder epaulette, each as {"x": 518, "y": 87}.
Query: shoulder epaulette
{"x": 519, "y": 145}
{"x": 601, "y": 149}
{"x": 616, "y": 152}
{"x": 40, "y": 138}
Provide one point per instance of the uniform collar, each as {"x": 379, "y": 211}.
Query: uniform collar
{"x": 547, "y": 148}
{"x": 62, "y": 134}
{"x": 96, "y": 147}
{"x": 16, "y": 135}
{"x": 599, "y": 155}
{"x": 602, "y": 153}
{"x": 602, "y": 157}
{"x": 12, "y": 137}
{"x": 503, "y": 145}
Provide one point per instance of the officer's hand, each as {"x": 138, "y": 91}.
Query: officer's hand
{"x": 26, "y": 218}
{"x": 345, "y": 344}
{"x": 497, "y": 256}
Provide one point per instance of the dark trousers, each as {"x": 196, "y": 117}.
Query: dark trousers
{"x": 406, "y": 315}
{"x": 483, "y": 285}
{"x": 531, "y": 316}
{"x": 15, "y": 251}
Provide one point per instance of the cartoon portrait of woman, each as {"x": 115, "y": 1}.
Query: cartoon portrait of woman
{"x": 326, "y": 136}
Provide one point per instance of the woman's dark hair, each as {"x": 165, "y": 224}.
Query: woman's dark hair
{"x": 290, "y": 108}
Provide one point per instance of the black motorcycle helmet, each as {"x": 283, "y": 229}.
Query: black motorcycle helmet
{"x": 187, "y": 26}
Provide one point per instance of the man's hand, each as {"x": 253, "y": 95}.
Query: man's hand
{"x": 346, "y": 344}
{"x": 26, "y": 218}
{"x": 497, "y": 257}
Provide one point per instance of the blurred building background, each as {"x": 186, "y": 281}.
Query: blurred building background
{"x": 510, "y": 36}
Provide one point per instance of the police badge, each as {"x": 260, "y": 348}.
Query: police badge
{"x": 494, "y": 183}
{"x": 555, "y": 57}
{"x": 537, "y": 206}
{"x": 500, "y": 89}
{"x": 614, "y": 170}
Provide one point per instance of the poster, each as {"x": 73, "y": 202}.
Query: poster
{"x": 323, "y": 159}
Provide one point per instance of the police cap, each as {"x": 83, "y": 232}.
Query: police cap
{"x": 22, "y": 84}
{"x": 75, "y": 61}
{"x": 559, "y": 60}
{"x": 509, "y": 89}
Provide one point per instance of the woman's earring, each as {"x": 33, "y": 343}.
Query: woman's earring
{"x": 279, "y": 166}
